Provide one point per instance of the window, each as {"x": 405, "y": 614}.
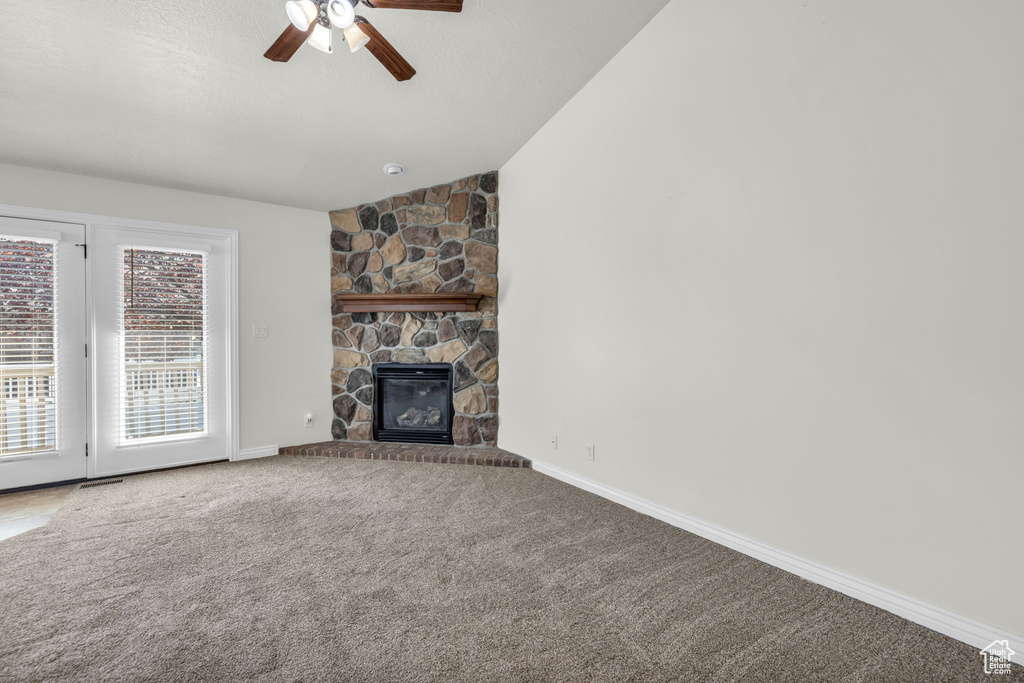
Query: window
{"x": 163, "y": 337}
{"x": 28, "y": 346}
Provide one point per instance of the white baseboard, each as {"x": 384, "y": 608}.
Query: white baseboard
{"x": 961, "y": 628}
{"x": 261, "y": 452}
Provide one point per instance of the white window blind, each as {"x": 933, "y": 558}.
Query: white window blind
{"x": 163, "y": 345}
{"x": 28, "y": 346}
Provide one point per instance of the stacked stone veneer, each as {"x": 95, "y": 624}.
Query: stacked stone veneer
{"x": 441, "y": 239}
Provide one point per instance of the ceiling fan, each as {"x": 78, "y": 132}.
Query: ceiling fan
{"x": 312, "y": 21}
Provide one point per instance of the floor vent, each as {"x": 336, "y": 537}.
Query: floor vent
{"x": 101, "y": 483}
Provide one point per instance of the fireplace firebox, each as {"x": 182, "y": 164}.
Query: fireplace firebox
{"x": 413, "y": 403}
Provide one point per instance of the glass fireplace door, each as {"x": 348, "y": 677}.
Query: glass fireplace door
{"x": 413, "y": 403}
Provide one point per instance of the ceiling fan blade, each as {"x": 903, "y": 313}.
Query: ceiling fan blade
{"x": 288, "y": 44}
{"x": 432, "y": 5}
{"x": 385, "y": 53}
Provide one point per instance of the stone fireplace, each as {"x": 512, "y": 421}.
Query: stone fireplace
{"x": 433, "y": 240}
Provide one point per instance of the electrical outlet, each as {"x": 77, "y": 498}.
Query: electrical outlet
{"x": 554, "y": 442}
{"x": 260, "y": 331}
{"x": 309, "y": 420}
{"x": 590, "y": 452}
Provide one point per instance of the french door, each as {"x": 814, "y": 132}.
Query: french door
{"x": 116, "y": 360}
{"x": 161, "y": 333}
{"x": 42, "y": 352}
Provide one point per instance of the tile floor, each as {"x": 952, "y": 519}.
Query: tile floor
{"x": 20, "y": 512}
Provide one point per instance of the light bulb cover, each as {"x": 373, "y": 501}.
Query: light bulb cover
{"x": 394, "y": 169}
{"x": 341, "y": 13}
{"x": 301, "y": 13}
{"x": 321, "y": 39}
{"x": 355, "y": 37}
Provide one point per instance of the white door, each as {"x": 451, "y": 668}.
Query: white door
{"x": 161, "y": 334}
{"x": 42, "y": 352}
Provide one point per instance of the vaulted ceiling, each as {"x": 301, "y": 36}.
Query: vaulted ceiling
{"x": 176, "y": 93}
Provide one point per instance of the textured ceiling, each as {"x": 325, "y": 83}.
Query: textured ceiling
{"x": 176, "y": 93}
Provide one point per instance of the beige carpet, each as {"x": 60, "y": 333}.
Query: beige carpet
{"x": 311, "y": 569}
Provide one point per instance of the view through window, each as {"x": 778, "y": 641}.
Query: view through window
{"x": 28, "y": 346}
{"x": 163, "y": 339}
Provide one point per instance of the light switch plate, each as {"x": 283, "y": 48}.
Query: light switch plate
{"x": 260, "y": 331}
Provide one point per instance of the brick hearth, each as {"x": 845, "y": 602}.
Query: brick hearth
{"x": 410, "y": 452}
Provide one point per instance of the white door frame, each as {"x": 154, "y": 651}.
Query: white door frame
{"x": 90, "y": 222}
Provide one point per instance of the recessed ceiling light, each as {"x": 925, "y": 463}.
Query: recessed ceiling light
{"x": 394, "y": 169}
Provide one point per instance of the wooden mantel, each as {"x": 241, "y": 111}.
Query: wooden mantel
{"x": 433, "y": 303}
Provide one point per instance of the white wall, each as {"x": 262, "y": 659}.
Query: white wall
{"x": 779, "y": 247}
{"x": 284, "y": 282}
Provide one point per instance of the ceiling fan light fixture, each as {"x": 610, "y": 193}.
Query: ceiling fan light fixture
{"x": 355, "y": 37}
{"x": 302, "y": 13}
{"x": 321, "y": 39}
{"x": 341, "y": 13}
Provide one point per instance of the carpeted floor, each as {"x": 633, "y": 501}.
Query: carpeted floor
{"x": 311, "y": 569}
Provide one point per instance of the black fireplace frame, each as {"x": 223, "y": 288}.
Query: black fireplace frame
{"x": 434, "y": 371}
